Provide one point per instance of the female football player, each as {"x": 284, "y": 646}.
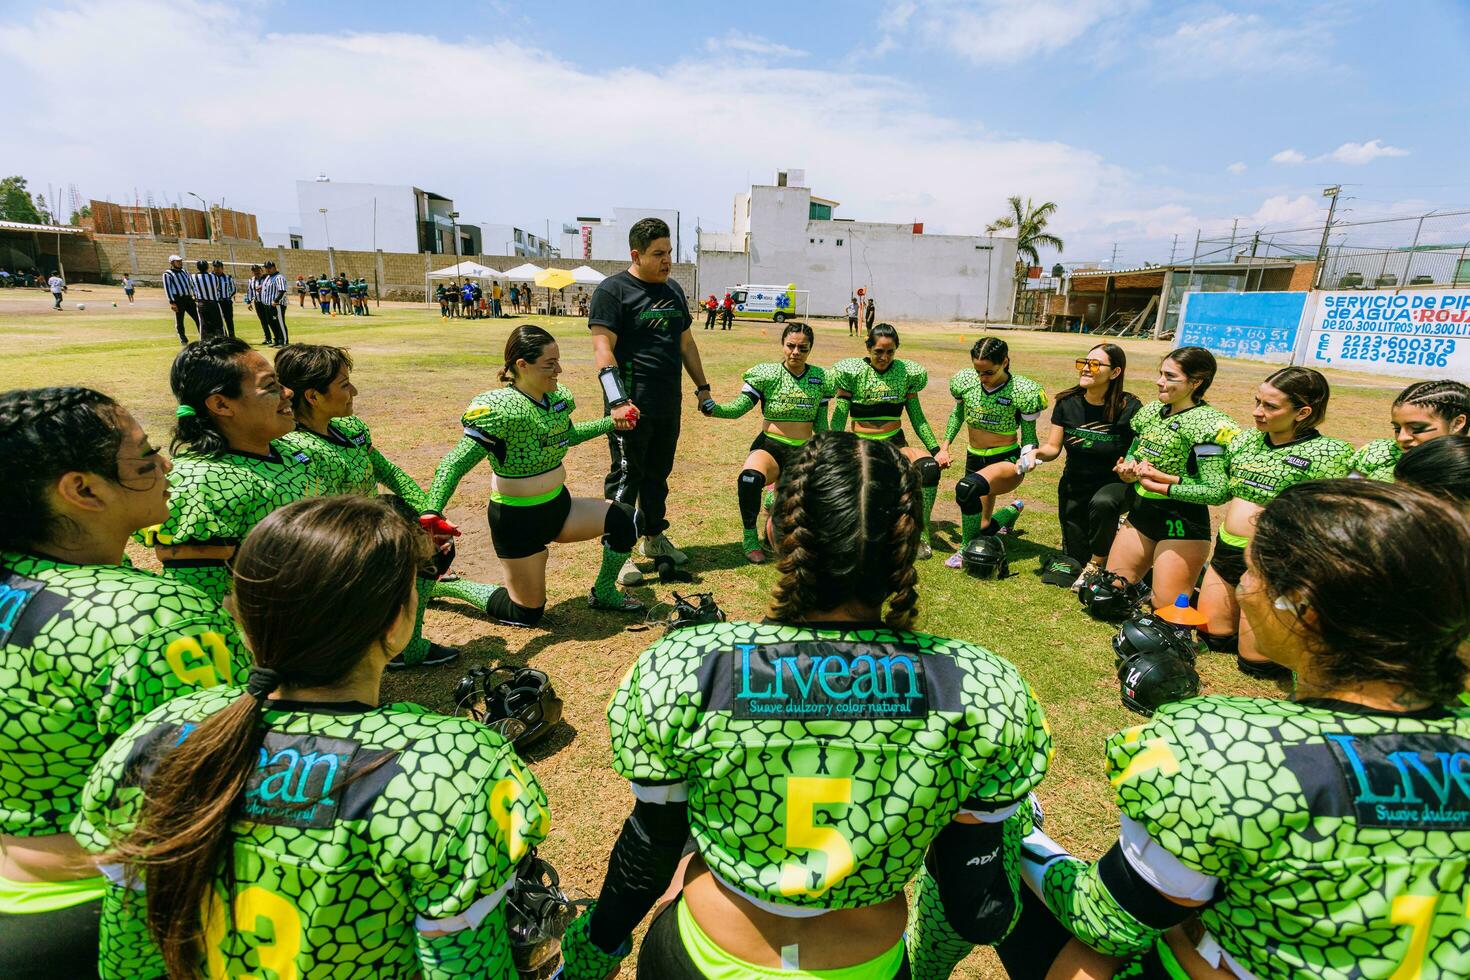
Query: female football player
{"x": 1441, "y": 466}
{"x": 876, "y": 390}
{"x": 233, "y": 470}
{"x": 1317, "y": 837}
{"x": 1284, "y": 449}
{"x": 1423, "y": 411}
{"x": 815, "y": 758}
{"x": 88, "y": 644}
{"x": 1179, "y": 447}
{"x": 525, "y": 429}
{"x": 296, "y": 826}
{"x": 793, "y": 398}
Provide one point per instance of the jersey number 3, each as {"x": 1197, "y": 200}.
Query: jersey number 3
{"x": 272, "y": 921}
{"x": 803, "y": 795}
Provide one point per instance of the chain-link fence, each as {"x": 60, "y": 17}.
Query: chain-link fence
{"x": 1421, "y": 250}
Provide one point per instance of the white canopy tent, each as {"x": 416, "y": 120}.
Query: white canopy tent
{"x": 587, "y": 276}
{"x": 526, "y": 272}
{"x": 461, "y": 271}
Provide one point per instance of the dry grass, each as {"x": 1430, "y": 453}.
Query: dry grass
{"x": 416, "y": 373}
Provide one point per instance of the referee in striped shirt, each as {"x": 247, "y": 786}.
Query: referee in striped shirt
{"x": 209, "y": 291}
{"x": 271, "y": 294}
{"x": 180, "y": 293}
{"x": 227, "y": 302}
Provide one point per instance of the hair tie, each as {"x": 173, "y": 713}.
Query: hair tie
{"x": 262, "y": 681}
{"x": 184, "y": 411}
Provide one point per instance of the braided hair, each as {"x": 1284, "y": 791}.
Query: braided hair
{"x": 1447, "y": 399}
{"x": 45, "y": 432}
{"x": 204, "y": 368}
{"x": 848, "y": 514}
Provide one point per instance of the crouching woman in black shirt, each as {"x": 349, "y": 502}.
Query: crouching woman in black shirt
{"x": 1090, "y": 421}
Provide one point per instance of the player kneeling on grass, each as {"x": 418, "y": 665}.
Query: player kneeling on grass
{"x": 296, "y": 826}
{"x": 87, "y": 645}
{"x": 525, "y": 429}
{"x": 820, "y": 760}
{"x": 1323, "y": 836}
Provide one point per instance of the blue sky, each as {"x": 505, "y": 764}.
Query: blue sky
{"x": 1142, "y": 119}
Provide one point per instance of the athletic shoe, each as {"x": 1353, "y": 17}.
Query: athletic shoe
{"x": 924, "y": 552}
{"x": 627, "y": 605}
{"x": 751, "y": 542}
{"x": 437, "y": 656}
{"x": 659, "y": 544}
{"x": 630, "y": 574}
{"x": 1087, "y": 573}
{"x": 956, "y": 560}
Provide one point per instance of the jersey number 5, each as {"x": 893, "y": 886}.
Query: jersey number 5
{"x": 803, "y": 795}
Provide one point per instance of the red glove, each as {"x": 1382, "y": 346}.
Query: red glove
{"x": 438, "y": 527}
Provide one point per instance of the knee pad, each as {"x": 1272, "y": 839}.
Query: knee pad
{"x": 507, "y": 610}
{"x": 970, "y": 492}
{"x": 928, "y": 471}
{"x": 1221, "y": 643}
{"x": 748, "y": 491}
{"x": 620, "y": 528}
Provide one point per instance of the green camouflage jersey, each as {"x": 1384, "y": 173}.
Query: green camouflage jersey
{"x": 881, "y": 397}
{"x": 350, "y": 463}
{"x": 522, "y": 437}
{"x": 1259, "y": 471}
{"x": 1376, "y": 460}
{"x": 1017, "y": 404}
{"x": 217, "y": 500}
{"x": 360, "y": 830}
{"x": 1338, "y": 837}
{"x": 1190, "y": 444}
{"x": 86, "y": 650}
{"x": 782, "y": 396}
{"x": 820, "y": 762}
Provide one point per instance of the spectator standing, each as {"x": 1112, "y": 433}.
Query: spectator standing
{"x": 515, "y": 298}
{"x": 272, "y": 296}
{"x": 442, "y": 295}
{"x": 711, "y": 310}
{"x": 58, "y": 286}
{"x": 208, "y": 289}
{"x": 127, "y": 284}
{"x": 181, "y": 297}
{"x": 227, "y": 304}
{"x": 852, "y": 317}
{"x": 5, "y": 282}
{"x": 640, "y": 338}
{"x": 300, "y": 292}
{"x": 727, "y": 313}
{"x": 496, "y": 295}
{"x": 870, "y": 314}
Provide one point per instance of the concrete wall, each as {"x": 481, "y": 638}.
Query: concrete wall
{"x": 349, "y": 220}
{"x": 400, "y": 274}
{"x": 944, "y": 277}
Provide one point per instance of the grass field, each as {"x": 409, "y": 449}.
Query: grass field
{"x": 417, "y": 372}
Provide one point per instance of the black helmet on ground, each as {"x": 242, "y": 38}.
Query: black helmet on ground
{"x": 1154, "y": 678}
{"x": 519, "y": 703}
{"x": 985, "y": 557}
{"x": 1147, "y": 633}
{"x": 1110, "y": 597}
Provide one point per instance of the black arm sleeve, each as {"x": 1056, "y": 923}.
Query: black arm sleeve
{"x": 969, "y": 864}
{"x": 642, "y": 864}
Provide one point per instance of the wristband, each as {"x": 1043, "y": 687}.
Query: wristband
{"x": 612, "y": 387}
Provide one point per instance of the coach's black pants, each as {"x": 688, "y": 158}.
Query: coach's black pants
{"x": 641, "y": 463}
{"x": 1089, "y": 509}
{"x": 184, "y": 305}
{"x": 228, "y": 309}
{"x": 211, "y": 320}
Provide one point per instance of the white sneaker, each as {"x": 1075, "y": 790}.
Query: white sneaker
{"x": 630, "y": 575}
{"x": 924, "y": 551}
{"x": 659, "y": 544}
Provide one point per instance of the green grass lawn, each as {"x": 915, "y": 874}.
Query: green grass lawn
{"x": 417, "y": 372}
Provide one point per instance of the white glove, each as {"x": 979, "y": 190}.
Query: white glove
{"x": 1028, "y": 460}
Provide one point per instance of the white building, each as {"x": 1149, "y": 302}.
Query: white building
{"x": 607, "y": 238}
{"x": 782, "y": 233}
{"x": 390, "y": 217}
{"x": 502, "y": 239}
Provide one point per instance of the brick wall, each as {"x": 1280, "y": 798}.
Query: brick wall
{"x": 400, "y": 274}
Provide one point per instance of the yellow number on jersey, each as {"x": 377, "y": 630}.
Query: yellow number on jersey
{"x": 1417, "y": 912}
{"x": 189, "y": 662}
{"x": 513, "y": 822}
{"x": 270, "y": 919}
{"x": 803, "y": 795}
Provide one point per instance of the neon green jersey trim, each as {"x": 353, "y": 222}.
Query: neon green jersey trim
{"x": 539, "y": 498}
{"x": 714, "y": 962}
{"x": 1236, "y": 540}
{"x": 34, "y": 897}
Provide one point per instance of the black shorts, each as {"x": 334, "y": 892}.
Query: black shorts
{"x": 1170, "y": 520}
{"x": 664, "y": 956}
{"x": 520, "y": 532}
{"x": 1228, "y": 561}
{"x": 780, "y": 451}
{"x": 974, "y": 462}
{"x": 41, "y": 945}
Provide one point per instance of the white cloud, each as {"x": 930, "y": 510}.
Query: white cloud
{"x": 1237, "y": 44}
{"x": 1289, "y": 156}
{"x": 996, "y": 32}
{"x": 1361, "y": 153}
{"x": 1238, "y": 167}
{"x": 741, "y": 43}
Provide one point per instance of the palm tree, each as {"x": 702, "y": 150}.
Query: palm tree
{"x": 1029, "y": 220}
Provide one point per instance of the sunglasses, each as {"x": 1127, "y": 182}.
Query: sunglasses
{"x": 1091, "y": 367}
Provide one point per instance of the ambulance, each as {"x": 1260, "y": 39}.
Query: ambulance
{"x": 757, "y": 302}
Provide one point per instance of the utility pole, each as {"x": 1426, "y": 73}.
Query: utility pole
{"x": 1173, "y": 249}
{"x": 1113, "y": 262}
{"x": 1331, "y": 192}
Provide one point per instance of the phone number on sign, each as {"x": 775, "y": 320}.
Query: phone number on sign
{"x": 1428, "y": 351}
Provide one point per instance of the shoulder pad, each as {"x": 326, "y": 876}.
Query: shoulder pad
{"x": 918, "y": 376}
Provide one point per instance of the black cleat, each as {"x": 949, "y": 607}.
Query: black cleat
{"x": 437, "y": 656}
